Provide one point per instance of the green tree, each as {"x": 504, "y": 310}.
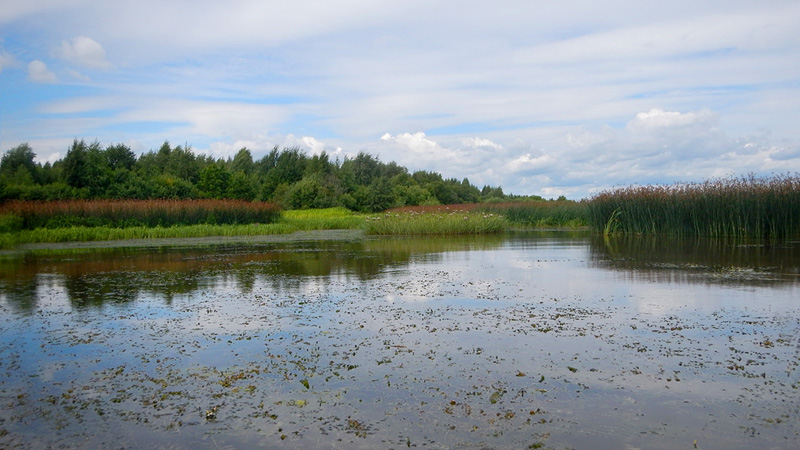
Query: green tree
{"x": 313, "y": 191}
{"x": 319, "y": 164}
{"x": 243, "y": 162}
{"x": 289, "y": 167}
{"x": 86, "y": 167}
{"x": 18, "y": 164}
{"x": 120, "y": 156}
{"x": 215, "y": 181}
{"x": 241, "y": 187}
{"x": 184, "y": 164}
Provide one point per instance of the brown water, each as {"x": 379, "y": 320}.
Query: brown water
{"x": 529, "y": 340}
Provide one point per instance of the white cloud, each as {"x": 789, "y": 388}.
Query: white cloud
{"x": 7, "y": 60}
{"x": 85, "y": 52}
{"x": 548, "y": 99}
{"x": 77, "y": 75}
{"x": 39, "y": 73}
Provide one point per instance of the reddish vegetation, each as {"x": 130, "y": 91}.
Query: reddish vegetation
{"x": 138, "y": 212}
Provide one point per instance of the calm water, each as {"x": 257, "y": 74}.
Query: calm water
{"x": 521, "y": 341}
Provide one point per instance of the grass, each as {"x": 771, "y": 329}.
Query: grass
{"x": 105, "y": 220}
{"x": 541, "y": 214}
{"x": 729, "y": 207}
{"x": 435, "y": 222}
{"x": 84, "y": 234}
{"x": 323, "y": 219}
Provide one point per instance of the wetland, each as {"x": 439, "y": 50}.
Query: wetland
{"x": 539, "y": 339}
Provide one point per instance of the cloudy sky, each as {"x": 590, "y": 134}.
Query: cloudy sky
{"x": 539, "y": 97}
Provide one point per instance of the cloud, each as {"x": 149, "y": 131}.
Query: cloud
{"x": 556, "y": 99}
{"x": 85, "y": 52}
{"x": 7, "y": 60}
{"x": 39, "y": 73}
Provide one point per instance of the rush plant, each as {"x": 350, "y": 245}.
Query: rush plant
{"x": 137, "y": 213}
{"x": 728, "y": 207}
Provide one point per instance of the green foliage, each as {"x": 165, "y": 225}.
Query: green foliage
{"x": 10, "y": 223}
{"x": 313, "y": 191}
{"x": 288, "y": 177}
{"x": 215, "y": 181}
{"x": 18, "y": 166}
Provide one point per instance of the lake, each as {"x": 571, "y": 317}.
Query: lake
{"x": 523, "y": 340}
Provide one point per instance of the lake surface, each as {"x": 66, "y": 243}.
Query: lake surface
{"x": 526, "y": 340}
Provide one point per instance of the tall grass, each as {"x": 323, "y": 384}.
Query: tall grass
{"x": 728, "y": 207}
{"x": 323, "y": 219}
{"x": 541, "y": 213}
{"x": 136, "y": 213}
{"x": 86, "y": 234}
{"x": 435, "y": 222}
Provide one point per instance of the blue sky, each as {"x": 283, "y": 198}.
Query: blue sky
{"x": 546, "y": 98}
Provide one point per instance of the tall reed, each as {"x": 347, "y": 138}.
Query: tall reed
{"x": 727, "y": 207}
{"x": 131, "y": 213}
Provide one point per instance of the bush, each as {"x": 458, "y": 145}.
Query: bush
{"x": 10, "y": 223}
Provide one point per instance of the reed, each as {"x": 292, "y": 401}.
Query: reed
{"x": 137, "y": 213}
{"x": 436, "y": 222}
{"x": 727, "y": 207}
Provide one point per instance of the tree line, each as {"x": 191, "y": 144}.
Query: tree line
{"x": 288, "y": 177}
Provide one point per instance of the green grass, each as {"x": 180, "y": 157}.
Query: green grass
{"x": 442, "y": 220}
{"x": 541, "y": 214}
{"x": 83, "y": 234}
{"x": 452, "y": 222}
{"x": 323, "y": 219}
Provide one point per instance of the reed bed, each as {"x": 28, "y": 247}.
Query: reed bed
{"x": 728, "y": 207}
{"x": 136, "y": 213}
{"x": 448, "y": 222}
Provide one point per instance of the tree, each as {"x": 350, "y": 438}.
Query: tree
{"x": 364, "y": 167}
{"x": 18, "y": 162}
{"x": 319, "y": 164}
{"x": 86, "y": 167}
{"x": 214, "y": 181}
{"x": 241, "y": 187}
{"x": 289, "y": 167}
{"x": 120, "y": 156}
{"x": 184, "y": 164}
{"x": 243, "y": 162}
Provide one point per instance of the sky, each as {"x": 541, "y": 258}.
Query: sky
{"x": 538, "y": 97}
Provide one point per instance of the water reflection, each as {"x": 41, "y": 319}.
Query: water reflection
{"x": 517, "y": 341}
{"x": 117, "y": 276}
{"x": 697, "y": 260}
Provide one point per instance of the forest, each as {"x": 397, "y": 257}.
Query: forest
{"x": 287, "y": 177}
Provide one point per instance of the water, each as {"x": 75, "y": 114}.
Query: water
{"x": 529, "y": 340}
